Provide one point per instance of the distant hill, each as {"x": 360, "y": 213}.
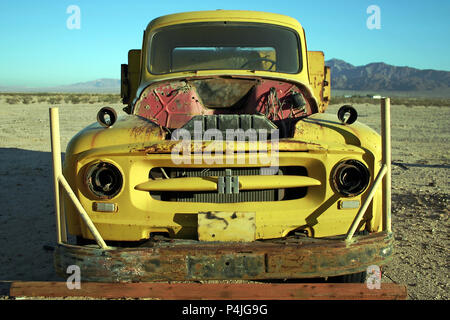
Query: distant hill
{"x": 345, "y": 78}
{"x": 100, "y": 85}
{"x": 95, "y": 86}
{"x": 384, "y": 77}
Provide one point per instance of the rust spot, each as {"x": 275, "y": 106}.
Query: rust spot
{"x": 194, "y": 260}
{"x": 95, "y": 138}
{"x": 146, "y": 130}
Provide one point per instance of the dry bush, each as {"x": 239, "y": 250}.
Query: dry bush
{"x": 41, "y": 99}
{"x": 109, "y": 98}
{"x": 66, "y": 98}
{"x": 406, "y": 101}
{"x": 12, "y": 100}
{"x": 85, "y": 98}
{"x": 27, "y": 99}
{"x": 55, "y": 99}
{"x": 75, "y": 100}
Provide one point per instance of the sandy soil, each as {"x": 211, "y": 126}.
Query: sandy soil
{"x": 420, "y": 192}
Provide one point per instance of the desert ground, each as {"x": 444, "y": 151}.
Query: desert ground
{"x": 420, "y": 189}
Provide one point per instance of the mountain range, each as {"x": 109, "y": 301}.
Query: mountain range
{"x": 384, "y": 77}
{"x": 373, "y": 77}
{"x": 104, "y": 85}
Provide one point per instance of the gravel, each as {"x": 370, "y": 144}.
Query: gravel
{"x": 420, "y": 188}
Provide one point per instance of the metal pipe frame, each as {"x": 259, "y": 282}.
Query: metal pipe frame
{"x": 387, "y": 160}
{"x": 384, "y": 175}
{"x": 60, "y": 184}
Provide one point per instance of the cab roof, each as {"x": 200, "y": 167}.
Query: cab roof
{"x": 224, "y": 15}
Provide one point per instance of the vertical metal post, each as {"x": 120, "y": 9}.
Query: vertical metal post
{"x": 62, "y": 216}
{"x": 59, "y": 181}
{"x": 57, "y": 171}
{"x": 386, "y": 159}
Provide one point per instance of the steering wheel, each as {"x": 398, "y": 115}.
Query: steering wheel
{"x": 274, "y": 63}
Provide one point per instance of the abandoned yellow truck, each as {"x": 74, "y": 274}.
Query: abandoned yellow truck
{"x": 224, "y": 165}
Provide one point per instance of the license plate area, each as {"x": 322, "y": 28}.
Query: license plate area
{"x": 226, "y": 226}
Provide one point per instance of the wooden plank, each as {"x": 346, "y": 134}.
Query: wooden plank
{"x": 212, "y": 291}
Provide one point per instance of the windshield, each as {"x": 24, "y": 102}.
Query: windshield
{"x": 235, "y": 46}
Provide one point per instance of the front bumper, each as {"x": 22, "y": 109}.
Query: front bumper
{"x": 181, "y": 260}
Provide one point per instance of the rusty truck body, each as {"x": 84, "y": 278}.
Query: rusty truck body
{"x": 225, "y": 165}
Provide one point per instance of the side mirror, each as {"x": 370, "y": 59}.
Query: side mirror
{"x": 347, "y": 114}
{"x": 124, "y": 86}
{"x": 107, "y": 116}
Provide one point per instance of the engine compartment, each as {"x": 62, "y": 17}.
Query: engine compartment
{"x": 171, "y": 104}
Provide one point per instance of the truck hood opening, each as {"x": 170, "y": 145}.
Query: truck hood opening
{"x": 172, "y": 104}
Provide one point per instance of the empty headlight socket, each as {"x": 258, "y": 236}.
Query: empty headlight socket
{"x": 104, "y": 180}
{"x": 350, "y": 177}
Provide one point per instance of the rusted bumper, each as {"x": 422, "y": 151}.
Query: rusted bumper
{"x": 193, "y": 260}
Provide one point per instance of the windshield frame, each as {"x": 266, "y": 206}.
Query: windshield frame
{"x": 298, "y": 47}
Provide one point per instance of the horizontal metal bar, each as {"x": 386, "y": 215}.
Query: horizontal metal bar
{"x": 181, "y": 259}
{"x": 262, "y": 182}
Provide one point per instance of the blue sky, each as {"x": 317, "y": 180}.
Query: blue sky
{"x": 37, "y": 48}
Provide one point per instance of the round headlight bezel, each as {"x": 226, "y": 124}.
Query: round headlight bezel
{"x": 104, "y": 180}
{"x": 350, "y": 177}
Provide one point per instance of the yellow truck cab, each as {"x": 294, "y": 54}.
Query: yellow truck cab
{"x": 224, "y": 164}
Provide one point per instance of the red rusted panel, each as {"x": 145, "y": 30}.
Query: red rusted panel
{"x": 172, "y": 104}
{"x": 276, "y": 104}
{"x": 212, "y": 291}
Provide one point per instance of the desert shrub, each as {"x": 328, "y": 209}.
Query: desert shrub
{"x": 350, "y": 100}
{"x": 421, "y": 102}
{"x": 75, "y": 99}
{"x": 93, "y": 98}
{"x": 66, "y": 98}
{"x": 109, "y": 98}
{"x": 406, "y": 101}
{"x": 12, "y": 100}
{"x": 55, "y": 100}
{"x": 41, "y": 99}
{"x": 83, "y": 98}
{"x": 27, "y": 99}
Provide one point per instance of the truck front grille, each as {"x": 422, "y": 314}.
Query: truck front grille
{"x": 215, "y": 197}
